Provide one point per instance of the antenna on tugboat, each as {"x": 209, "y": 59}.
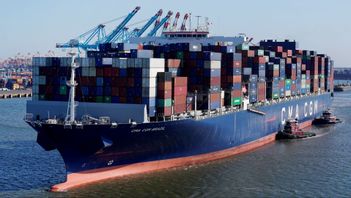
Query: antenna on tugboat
{"x": 71, "y": 108}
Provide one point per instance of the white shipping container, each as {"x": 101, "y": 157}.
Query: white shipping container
{"x": 195, "y": 47}
{"x": 145, "y": 53}
{"x": 107, "y": 61}
{"x": 42, "y": 80}
{"x": 154, "y": 63}
{"x": 151, "y": 72}
{"x": 148, "y": 82}
{"x": 212, "y": 64}
{"x": 288, "y": 93}
{"x": 149, "y": 92}
{"x": 129, "y": 46}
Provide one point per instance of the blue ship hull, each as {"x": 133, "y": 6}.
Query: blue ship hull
{"x": 96, "y": 146}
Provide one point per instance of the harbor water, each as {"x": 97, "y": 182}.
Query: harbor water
{"x": 316, "y": 167}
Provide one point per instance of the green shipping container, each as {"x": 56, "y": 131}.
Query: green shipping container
{"x": 236, "y": 101}
{"x": 164, "y": 102}
{"x": 99, "y": 99}
{"x": 63, "y": 90}
{"x": 180, "y": 55}
{"x": 287, "y": 82}
{"x": 243, "y": 47}
{"x": 260, "y": 52}
{"x": 107, "y": 99}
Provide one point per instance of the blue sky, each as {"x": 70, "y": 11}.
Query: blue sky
{"x": 325, "y": 26}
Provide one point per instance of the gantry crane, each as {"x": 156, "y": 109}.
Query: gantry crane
{"x": 110, "y": 37}
{"x": 175, "y": 22}
{"x": 97, "y": 32}
{"x": 183, "y": 27}
{"x": 98, "y": 35}
{"x": 160, "y": 24}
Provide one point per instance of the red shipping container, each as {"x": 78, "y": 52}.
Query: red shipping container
{"x": 180, "y": 108}
{"x": 279, "y": 49}
{"x": 130, "y": 82}
{"x": 99, "y": 72}
{"x": 84, "y": 81}
{"x": 179, "y": 99}
{"x": 236, "y": 93}
{"x": 281, "y": 84}
{"x": 165, "y": 111}
{"x": 180, "y": 81}
{"x": 215, "y": 96}
{"x": 122, "y": 99}
{"x": 123, "y": 92}
{"x": 107, "y": 72}
{"x": 215, "y": 80}
{"x": 137, "y": 100}
{"x": 237, "y": 64}
{"x": 234, "y": 79}
{"x": 164, "y": 94}
{"x": 259, "y": 60}
{"x": 115, "y": 91}
{"x": 275, "y": 73}
{"x": 173, "y": 63}
{"x": 164, "y": 85}
{"x": 122, "y": 82}
{"x": 115, "y": 81}
{"x": 298, "y": 52}
{"x": 115, "y": 71}
{"x": 248, "y": 53}
{"x": 284, "y": 54}
{"x": 177, "y": 91}
{"x": 261, "y": 85}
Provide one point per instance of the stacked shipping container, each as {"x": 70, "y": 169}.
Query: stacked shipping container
{"x": 164, "y": 76}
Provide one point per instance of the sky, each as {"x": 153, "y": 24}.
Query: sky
{"x": 321, "y": 25}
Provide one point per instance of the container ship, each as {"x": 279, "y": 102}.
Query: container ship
{"x": 181, "y": 98}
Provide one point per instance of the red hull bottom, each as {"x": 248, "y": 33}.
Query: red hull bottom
{"x": 88, "y": 177}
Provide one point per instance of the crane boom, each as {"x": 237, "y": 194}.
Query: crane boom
{"x": 159, "y": 25}
{"x": 175, "y": 22}
{"x": 120, "y": 27}
{"x": 87, "y": 37}
{"x": 149, "y": 23}
{"x": 186, "y": 16}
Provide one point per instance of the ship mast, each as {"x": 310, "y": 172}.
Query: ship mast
{"x": 71, "y": 108}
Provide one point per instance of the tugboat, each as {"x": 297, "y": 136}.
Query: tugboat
{"x": 292, "y": 131}
{"x": 326, "y": 118}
